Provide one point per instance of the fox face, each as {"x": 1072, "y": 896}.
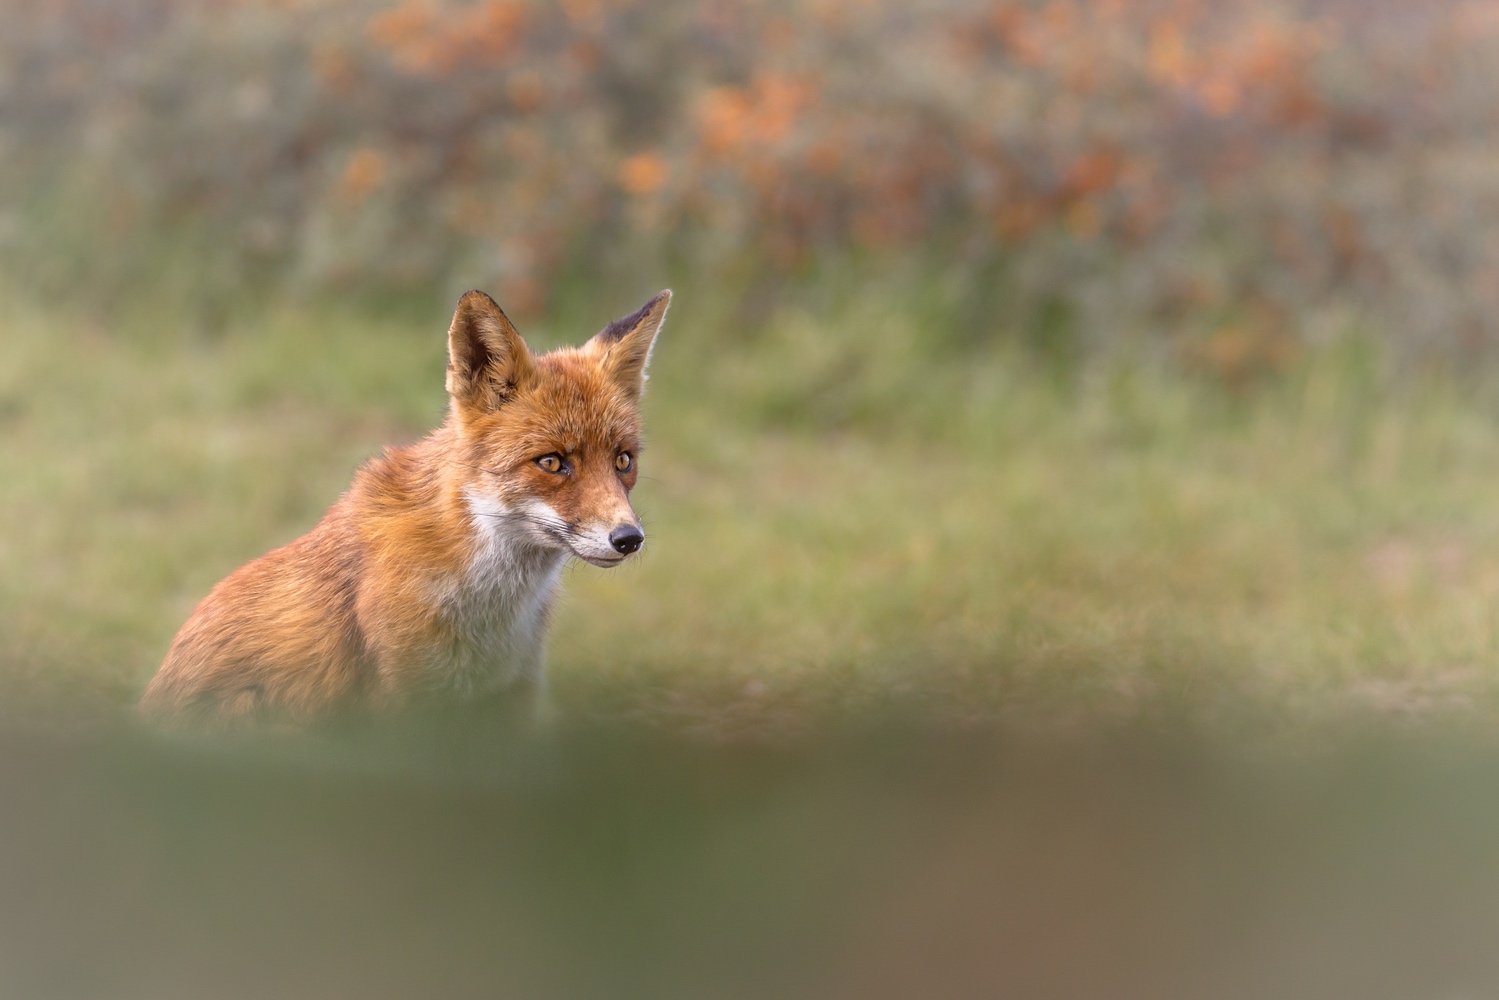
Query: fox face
{"x": 553, "y": 440}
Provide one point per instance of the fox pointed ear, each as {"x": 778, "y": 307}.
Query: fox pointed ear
{"x": 487, "y": 360}
{"x": 624, "y": 346}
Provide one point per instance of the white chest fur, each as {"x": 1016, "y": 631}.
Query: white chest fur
{"x": 496, "y": 612}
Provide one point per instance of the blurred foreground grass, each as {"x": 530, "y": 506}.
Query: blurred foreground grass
{"x": 839, "y": 518}
{"x": 458, "y": 860}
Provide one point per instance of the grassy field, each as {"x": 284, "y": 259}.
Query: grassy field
{"x": 838, "y": 521}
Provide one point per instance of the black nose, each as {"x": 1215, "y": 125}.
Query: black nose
{"x": 626, "y": 538}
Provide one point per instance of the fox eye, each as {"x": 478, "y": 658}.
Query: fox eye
{"x": 550, "y": 463}
{"x": 624, "y": 461}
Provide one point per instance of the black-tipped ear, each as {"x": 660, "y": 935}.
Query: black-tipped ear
{"x": 624, "y": 346}
{"x": 487, "y": 360}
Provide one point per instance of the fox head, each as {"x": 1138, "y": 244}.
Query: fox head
{"x": 553, "y": 439}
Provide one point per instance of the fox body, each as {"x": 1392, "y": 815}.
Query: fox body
{"x": 436, "y": 572}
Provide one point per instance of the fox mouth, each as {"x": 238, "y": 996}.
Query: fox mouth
{"x": 603, "y": 562}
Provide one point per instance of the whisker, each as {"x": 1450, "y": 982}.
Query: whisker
{"x": 556, "y": 527}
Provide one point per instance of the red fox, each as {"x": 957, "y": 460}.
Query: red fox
{"x": 436, "y": 572}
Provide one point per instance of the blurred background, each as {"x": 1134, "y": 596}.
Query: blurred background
{"x": 1041, "y": 375}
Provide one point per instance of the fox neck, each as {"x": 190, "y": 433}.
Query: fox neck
{"x": 498, "y": 610}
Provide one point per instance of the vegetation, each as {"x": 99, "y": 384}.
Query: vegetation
{"x": 1226, "y": 181}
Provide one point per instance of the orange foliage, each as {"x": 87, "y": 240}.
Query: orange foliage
{"x": 364, "y": 172}
{"x": 807, "y": 165}
{"x": 734, "y": 119}
{"x": 643, "y": 173}
{"x": 425, "y": 39}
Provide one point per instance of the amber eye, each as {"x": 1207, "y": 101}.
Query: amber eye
{"x": 550, "y": 463}
{"x": 623, "y": 462}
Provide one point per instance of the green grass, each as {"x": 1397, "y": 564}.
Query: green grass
{"x": 841, "y": 517}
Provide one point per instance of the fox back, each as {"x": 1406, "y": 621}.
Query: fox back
{"x": 436, "y": 572}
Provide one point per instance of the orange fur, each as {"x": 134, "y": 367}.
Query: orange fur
{"x": 436, "y": 571}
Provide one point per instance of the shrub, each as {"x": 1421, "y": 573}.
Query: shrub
{"x": 1226, "y": 179}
